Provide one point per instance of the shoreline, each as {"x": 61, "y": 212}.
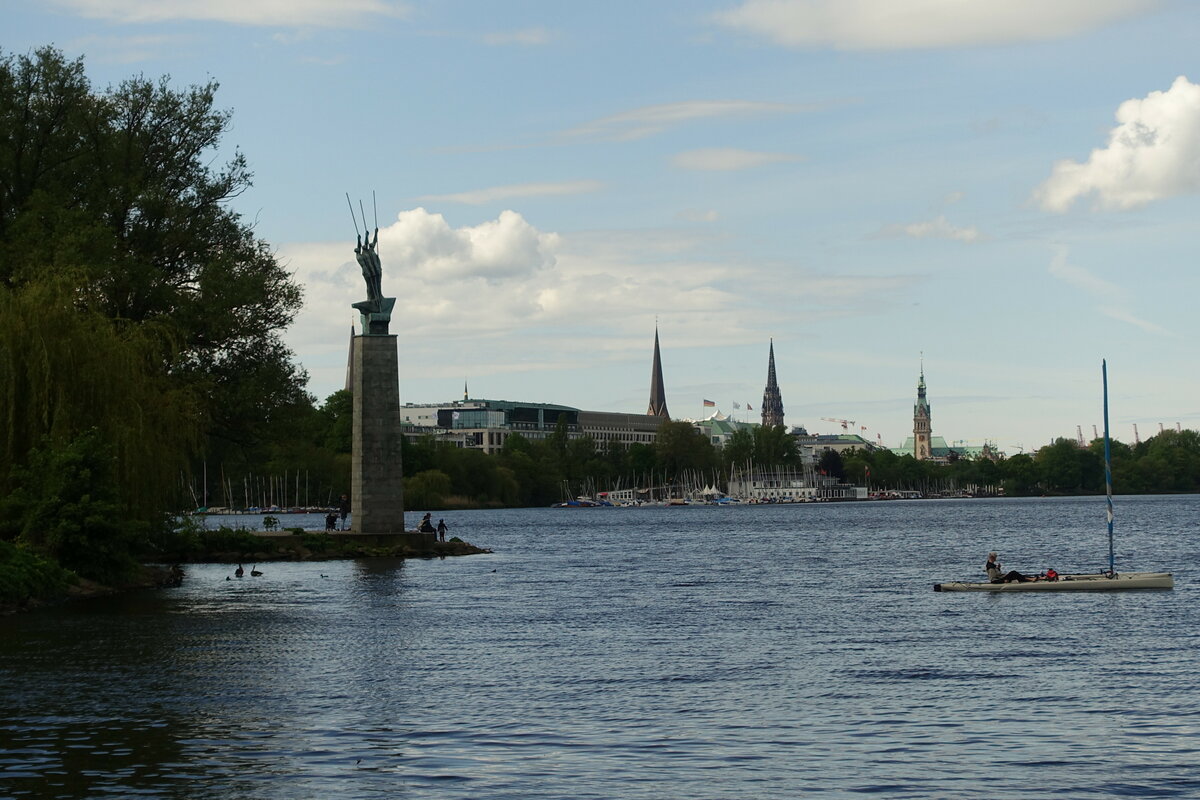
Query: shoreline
{"x": 164, "y": 570}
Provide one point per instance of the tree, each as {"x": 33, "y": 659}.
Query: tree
{"x": 775, "y": 447}
{"x": 134, "y": 300}
{"x": 831, "y": 464}
{"x": 739, "y": 450}
{"x": 681, "y": 447}
{"x": 67, "y": 505}
{"x": 116, "y": 191}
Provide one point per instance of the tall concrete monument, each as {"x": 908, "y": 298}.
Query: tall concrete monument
{"x": 376, "y": 475}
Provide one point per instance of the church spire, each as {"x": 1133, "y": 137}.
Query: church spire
{"x": 658, "y": 395}
{"x": 772, "y": 403}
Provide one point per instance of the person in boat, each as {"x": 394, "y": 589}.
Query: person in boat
{"x": 996, "y": 573}
{"x": 441, "y": 530}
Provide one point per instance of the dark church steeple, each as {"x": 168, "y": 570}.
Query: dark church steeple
{"x": 658, "y": 395}
{"x": 772, "y": 403}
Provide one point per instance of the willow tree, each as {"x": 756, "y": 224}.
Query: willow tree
{"x": 93, "y": 429}
{"x": 131, "y": 287}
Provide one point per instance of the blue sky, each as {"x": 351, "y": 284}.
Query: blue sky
{"x": 1009, "y": 188}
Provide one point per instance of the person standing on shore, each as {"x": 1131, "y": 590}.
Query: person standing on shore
{"x": 441, "y": 530}
{"x": 345, "y": 509}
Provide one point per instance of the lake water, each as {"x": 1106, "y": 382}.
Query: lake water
{"x": 700, "y": 652}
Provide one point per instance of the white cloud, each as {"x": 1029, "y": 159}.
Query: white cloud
{"x": 727, "y": 158}
{"x": 1106, "y": 292}
{"x": 1153, "y": 153}
{"x": 639, "y": 123}
{"x": 504, "y": 248}
{"x": 889, "y": 25}
{"x": 318, "y": 13}
{"x": 939, "y": 228}
{"x": 495, "y": 193}
{"x": 1124, "y": 316}
{"x": 1080, "y": 278}
{"x": 526, "y": 36}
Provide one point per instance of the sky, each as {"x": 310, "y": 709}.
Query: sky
{"x": 1003, "y": 193}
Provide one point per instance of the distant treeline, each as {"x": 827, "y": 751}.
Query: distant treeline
{"x": 1167, "y": 463}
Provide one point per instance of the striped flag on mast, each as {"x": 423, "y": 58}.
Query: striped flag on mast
{"x": 709, "y": 404}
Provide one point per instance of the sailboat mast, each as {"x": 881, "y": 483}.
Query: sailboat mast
{"x": 1108, "y": 468}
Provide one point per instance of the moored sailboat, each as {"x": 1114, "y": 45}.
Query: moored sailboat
{"x": 1109, "y": 581}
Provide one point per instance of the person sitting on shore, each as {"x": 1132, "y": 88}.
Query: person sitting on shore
{"x": 426, "y": 525}
{"x": 996, "y": 573}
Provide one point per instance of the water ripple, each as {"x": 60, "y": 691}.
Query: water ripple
{"x": 769, "y": 652}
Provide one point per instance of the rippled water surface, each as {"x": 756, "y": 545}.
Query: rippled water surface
{"x": 703, "y": 652}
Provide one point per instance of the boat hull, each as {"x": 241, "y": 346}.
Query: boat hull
{"x": 1095, "y": 582}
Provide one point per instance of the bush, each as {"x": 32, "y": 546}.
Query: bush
{"x": 66, "y": 507}
{"x": 227, "y": 540}
{"x": 317, "y": 542}
{"x": 25, "y": 575}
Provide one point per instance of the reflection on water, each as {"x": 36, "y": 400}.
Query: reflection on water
{"x": 759, "y": 652}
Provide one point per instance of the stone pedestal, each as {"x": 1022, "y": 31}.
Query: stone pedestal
{"x": 376, "y": 487}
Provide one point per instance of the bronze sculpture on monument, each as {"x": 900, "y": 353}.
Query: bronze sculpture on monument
{"x": 376, "y": 473}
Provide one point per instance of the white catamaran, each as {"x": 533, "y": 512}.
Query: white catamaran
{"x": 1109, "y": 581}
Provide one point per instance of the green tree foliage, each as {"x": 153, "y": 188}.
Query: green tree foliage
{"x": 682, "y": 448}
{"x": 739, "y": 450}
{"x": 831, "y": 464}
{"x": 119, "y": 190}
{"x": 774, "y": 447}
{"x": 133, "y": 299}
{"x": 66, "y": 369}
{"x": 66, "y": 505}
{"x": 428, "y": 489}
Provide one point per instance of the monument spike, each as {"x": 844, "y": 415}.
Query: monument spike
{"x": 352, "y": 217}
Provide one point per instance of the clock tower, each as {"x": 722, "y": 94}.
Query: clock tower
{"x": 922, "y": 424}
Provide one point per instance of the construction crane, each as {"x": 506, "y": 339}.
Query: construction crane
{"x": 845, "y": 423}
{"x": 1095, "y": 434}
{"x": 1079, "y": 435}
{"x": 1136, "y": 439}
